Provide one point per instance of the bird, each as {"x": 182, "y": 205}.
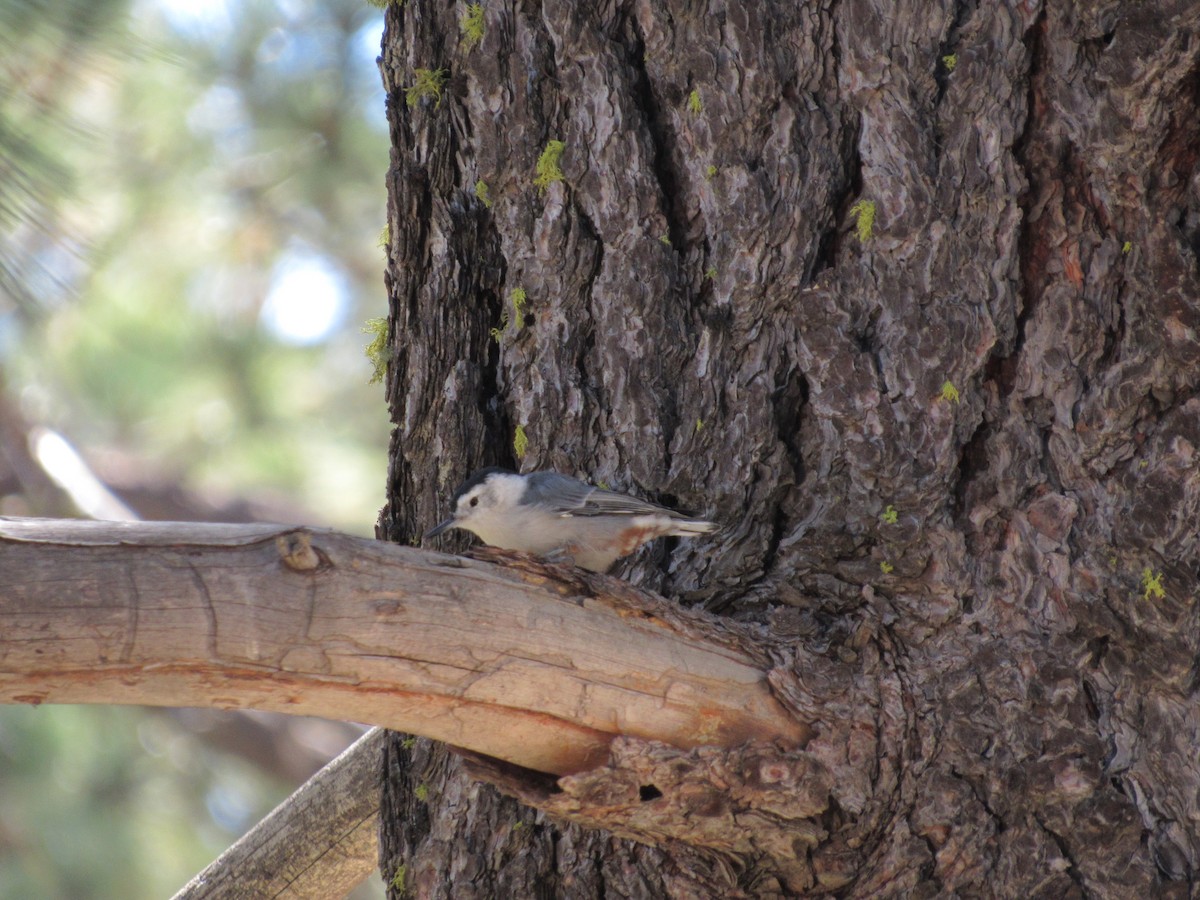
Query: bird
{"x": 553, "y": 515}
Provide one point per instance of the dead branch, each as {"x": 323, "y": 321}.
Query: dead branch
{"x": 539, "y": 666}
{"x": 318, "y": 844}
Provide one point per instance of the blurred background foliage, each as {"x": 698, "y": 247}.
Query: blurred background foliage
{"x": 190, "y": 266}
{"x": 191, "y": 195}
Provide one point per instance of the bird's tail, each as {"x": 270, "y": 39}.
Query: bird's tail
{"x": 687, "y": 527}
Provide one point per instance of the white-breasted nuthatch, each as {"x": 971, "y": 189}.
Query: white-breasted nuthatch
{"x": 548, "y": 514}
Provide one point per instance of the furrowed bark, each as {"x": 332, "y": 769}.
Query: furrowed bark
{"x": 905, "y": 295}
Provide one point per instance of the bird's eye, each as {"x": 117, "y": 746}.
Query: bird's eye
{"x": 474, "y": 501}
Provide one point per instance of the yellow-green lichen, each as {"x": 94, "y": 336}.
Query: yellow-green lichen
{"x": 1126, "y": 247}
{"x": 428, "y": 83}
{"x": 421, "y": 792}
{"x": 699, "y": 425}
{"x": 890, "y": 516}
{"x": 711, "y": 273}
{"x": 693, "y": 103}
{"x": 547, "y": 168}
{"x": 1152, "y": 585}
{"x": 949, "y": 392}
{"x": 471, "y": 25}
{"x": 376, "y": 349}
{"x": 398, "y": 879}
{"x": 664, "y": 239}
{"x": 864, "y": 218}
{"x": 886, "y": 567}
{"x": 710, "y": 172}
{"x": 950, "y": 60}
{"x": 519, "y": 302}
{"x": 520, "y": 442}
{"x": 482, "y": 195}
{"x": 518, "y": 298}
{"x": 385, "y": 236}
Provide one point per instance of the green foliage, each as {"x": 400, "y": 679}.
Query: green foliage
{"x": 376, "y": 349}
{"x": 110, "y": 802}
{"x": 472, "y": 27}
{"x": 482, "y": 195}
{"x": 427, "y": 83}
{"x": 949, "y": 392}
{"x": 520, "y": 442}
{"x": 154, "y": 347}
{"x": 1152, "y": 587}
{"x": 547, "y": 169}
{"x": 693, "y": 103}
{"x": 890, "y": 516}
{"x": 212, "y": 145}
{"x": 864, "y": 218}
{"x": 42, "y": 126}
{"x": 950, "y": 61}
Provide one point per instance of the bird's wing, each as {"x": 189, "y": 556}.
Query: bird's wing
{"x": 570, "y": 497}
{"x": 554, "y": 492}
{"x": 611, "y": 503}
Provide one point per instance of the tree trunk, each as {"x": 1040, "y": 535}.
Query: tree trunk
{"x": 907, "y": 298}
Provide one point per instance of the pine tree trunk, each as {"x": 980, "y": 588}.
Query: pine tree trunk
{"x": 907, "y": 297}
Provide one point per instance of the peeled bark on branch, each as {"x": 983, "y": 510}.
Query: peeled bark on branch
{"x": 505, "y": 662}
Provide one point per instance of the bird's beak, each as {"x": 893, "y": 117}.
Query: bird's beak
{"x": 439, "y": 528}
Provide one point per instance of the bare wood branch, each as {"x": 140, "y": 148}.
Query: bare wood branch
{"x": 502, "y": 661}
{"x": 318, "y": 844}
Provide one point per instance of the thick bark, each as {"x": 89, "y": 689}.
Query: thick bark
{"x": 950, "y": 444}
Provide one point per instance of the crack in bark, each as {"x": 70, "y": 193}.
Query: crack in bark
{"x": 831, "y": 242}
{"x": 1002, "y": 369}
{"x": 131, "y": 618}
{"x": 1072, "y": 870}
{"x": 941, "y": 74}
{"x": 659, "y": 133}
{"x": 210, "y": 612}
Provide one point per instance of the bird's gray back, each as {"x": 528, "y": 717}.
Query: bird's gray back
{"x": 569, "y": 496}
{"x": 551, "y": 490}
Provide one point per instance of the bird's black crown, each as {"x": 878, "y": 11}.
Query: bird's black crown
{"x": 478, "y": 477}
